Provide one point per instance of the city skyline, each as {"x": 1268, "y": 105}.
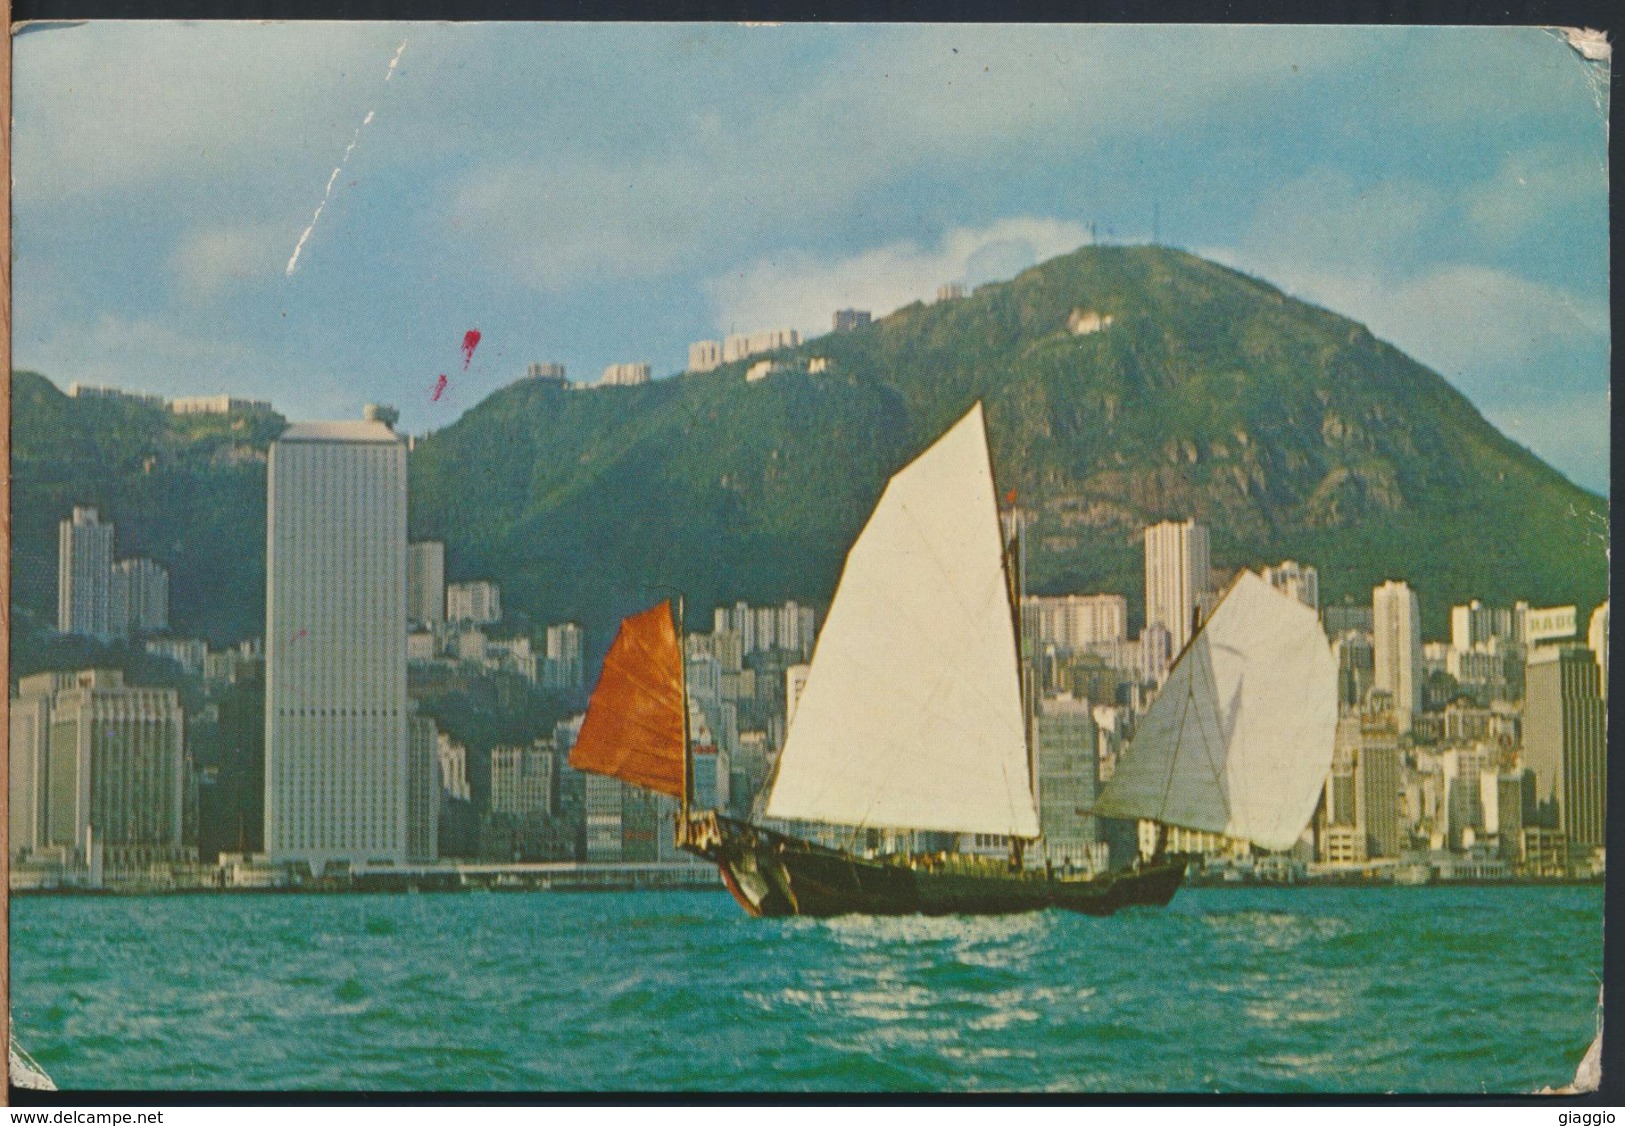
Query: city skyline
{"x": 957, "y": 154}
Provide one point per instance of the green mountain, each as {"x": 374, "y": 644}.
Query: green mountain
{"x": 186, "y": 490}
{"x": 1290, "y": 431}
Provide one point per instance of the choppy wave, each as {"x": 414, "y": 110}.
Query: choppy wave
{"x": 1424, "y": 989}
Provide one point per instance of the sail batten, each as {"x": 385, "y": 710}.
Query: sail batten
{"x": 1240, "y": 738}
{"x": 634, "y": 725}
{"x": 911, "y": 716}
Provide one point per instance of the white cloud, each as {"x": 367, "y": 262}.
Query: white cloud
{"x": 106, "y": 106}
{"x": 801, "y": 291}
{"x": 212, "y": 261}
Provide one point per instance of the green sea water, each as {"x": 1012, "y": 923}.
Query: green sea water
{"x": 1430, "y": 989}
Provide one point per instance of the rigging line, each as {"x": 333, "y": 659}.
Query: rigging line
{"x": 1173, "y": 760}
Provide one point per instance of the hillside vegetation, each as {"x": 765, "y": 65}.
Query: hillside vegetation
{"x": 1290, "y": 431}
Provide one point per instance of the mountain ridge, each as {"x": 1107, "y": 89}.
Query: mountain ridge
{"x": 1288, "y": 429}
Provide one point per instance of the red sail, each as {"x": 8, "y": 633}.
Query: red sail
{"x": 634, "y": 725}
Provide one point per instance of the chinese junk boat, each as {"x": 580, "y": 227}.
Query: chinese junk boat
{"x": 913, "y": 720}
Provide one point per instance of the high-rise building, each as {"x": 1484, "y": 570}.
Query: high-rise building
{"x": 1300, "y": 580}
{"x": 603, "y": 818}
{"x": 426, "y": 582}
{"x": 29, "y": 751}
{"x": 479, "y": 603}
{"x": 114, "y": 769}
{"x": 564, "y": 670}
{"x": 1345, "y": 617}
{"x": 523, "y": 782}
{"x": 84, "y": 575}
{"x": 422, "y": 790}
{"x": 849, "y": 320}
{"x": 1068, "y": 779}
{"x": 1075, "y": 622}
{"x": 1564, "y": 739}
{"x": 1597, "y": 638}
{"x": 1470, "y": 626}
{"x": 1397, "y": 649}
{"x": 1176, "y": 577}
{"x": 138, "y": 598}
{"x": 1377, "y": 779}
{"x": 336, "y": 746}
{"x": 1156, "y": 653}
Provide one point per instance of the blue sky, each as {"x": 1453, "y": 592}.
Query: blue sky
{"x": 597, "y": 193}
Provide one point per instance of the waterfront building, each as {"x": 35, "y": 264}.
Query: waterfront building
{"x": 1068, "y": 780}
{"x": 523, "y": 780}
{"x": 426, "y": 582}
{"x": 1597, "y": 639}
{"x": 453, "y": 758}
{"x": 1564, "y": 741}
{"x": 1176, "y": 577}
{"x": 1397, "y": 649}
{"x": 29, "y": 758}
{"x": 138, "y": 598}
{"x": 603, "y": 818}
{"x": 1377, "y": 781}
{"x": 1300, "y": 580}
{"x": 84, "y": 575}
{"x": 114, "y": 770}
{"x": 625, "y": 375}
{"x": 478, "y": 603}
{"x": 422, "y": 791}
{"x": 336, "y": 708}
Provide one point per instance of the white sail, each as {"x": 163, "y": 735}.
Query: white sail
{"x": 1240, "y": 738}
{"x": 911, "y": 717}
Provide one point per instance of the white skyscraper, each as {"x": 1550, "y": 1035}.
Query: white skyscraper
{"x": 1397, "y": 645}
{"x": 84, "y": 575}
{"x": 335, "y": 645}
{"x": 138, "y": 598}
{"x": 426, "y": 582}
{"x": 1176, "y": 576}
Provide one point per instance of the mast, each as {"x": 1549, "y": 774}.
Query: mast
{"x": 688, "y": 748}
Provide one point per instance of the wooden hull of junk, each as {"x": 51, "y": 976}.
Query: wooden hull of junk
{"x": 773, "y": 875}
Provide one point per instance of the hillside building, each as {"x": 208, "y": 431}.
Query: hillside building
{"x": 84, "y": 575}
{"x": 1176, "y": 577}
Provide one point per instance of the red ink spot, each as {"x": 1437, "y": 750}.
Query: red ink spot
{"x": 1010, "y": 497}
{"x": 439, "y": 386}
{"x": 297, "y": 636}
{"x": 471, "y": 341}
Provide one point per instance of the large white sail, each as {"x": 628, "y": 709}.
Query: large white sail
{"x": 1240, "y": 738}
{"x": 911, "y": 717}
